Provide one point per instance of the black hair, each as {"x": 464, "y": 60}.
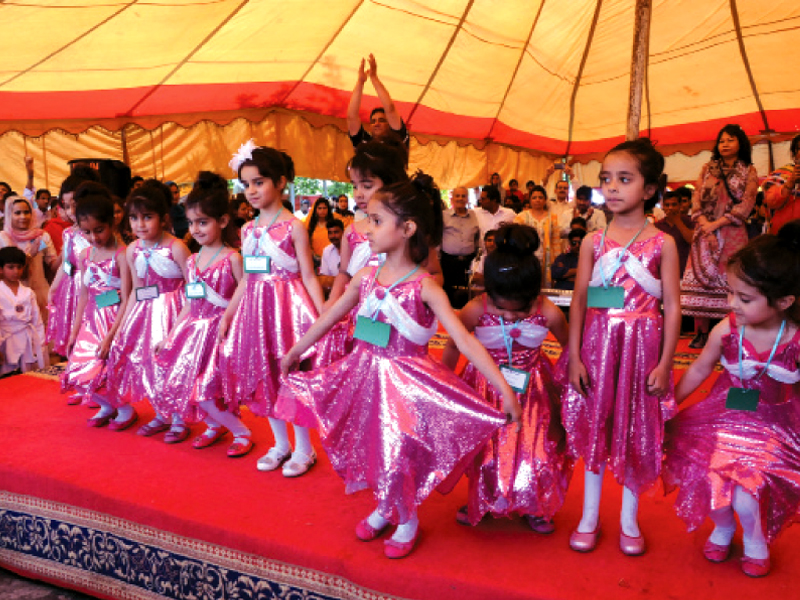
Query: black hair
{"x": 771, "y": 263}
{"x": 6, "y": 184}
{"x": 745, "y": 152}
{"x": 42, "y": 192}
{"x": 335, "y": 223}
{"x": 650, "y": 161}
{"x": 11, "y": 255}
{"x": 385, "y": 160}
{"x": 489, "y": 233}
{"x": 90, "y": 187}
{"x": 98, "y": 206}
{"x": 152, "y": 196}
{"x": 377, "y": 109}
{"x": 576, "y": 233}
{"x": 417, "y": 200}
{"x": 237, "y": 201}
{"x": 513, "y": 181}
{"x": 492, "y": 193}
{"x": 512, "y": 271}
{"x": 794, "y": 146}
{"x": 271, "y": 163}
{"x": 287, "y": 204}
{"x": 136, "y": 179}
{"x": 19, "y": 199}
{"x": 209, "y": 195}
{"x": 541, "y": 190}
{"x": 584, "y": 192}
{"x": 79, "y": 174}
{"x": 530, "y": 182}
{"x": 684, "y": 192}
{"x": 313, "y": 220}
{"x": 579, "y": 221}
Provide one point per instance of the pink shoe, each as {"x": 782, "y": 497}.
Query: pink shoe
{"x": 100, "y": 421}
{"x": 716, "y": 553}
{"x": 210, "y": 436}
{"x": 89, "y": 403}
{"x": 123, "y": 425}
{"x": 148, "y": 429}
{"x": 394, "y": 549}
{"x": 631, "y": 546}
{"x": 74, "y": 400}
{"x": 366, "y": 532}
{"x": 584, "y": 542}
{"x": 240, "y": 447}
{"x": 176, "y": 435}
{"x": 755, "y": 567}
{"x": 540, "y": 525}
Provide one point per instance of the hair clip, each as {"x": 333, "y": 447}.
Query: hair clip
{"x": 507, "y": 268}
{"x": 245, "y": 152}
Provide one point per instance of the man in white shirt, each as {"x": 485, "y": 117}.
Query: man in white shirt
{"x": 595, "y": 218}
{"x": 490, "y": 214}
{"x": 329, "y": 264}
{"x": 459, "y": 245}
{"x": 302, "y": 212}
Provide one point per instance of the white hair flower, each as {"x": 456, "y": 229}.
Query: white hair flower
{"x": 245, "y": 152}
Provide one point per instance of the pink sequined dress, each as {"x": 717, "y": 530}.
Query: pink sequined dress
{"x": 64, "y": 298}
{"x": 712, "y": 449}
{"x": 188, "y": 364}
{"x": 392, "y": 419}
{"x": 525, "y": 473}
{"x": 85, "y": 372}
{"x": 619, "y": 423}
{"x": 132, "y": 372}
{"x": 274, "y": 313}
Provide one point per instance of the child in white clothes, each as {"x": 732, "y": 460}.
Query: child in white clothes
{"x": 21, "y": 327}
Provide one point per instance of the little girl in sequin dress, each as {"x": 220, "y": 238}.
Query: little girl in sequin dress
{"x": 157, "y": 262}
{"x": 63, "y": 298}
{"x": 523, "y": 473}
{"x": 621, "y": 345}
{"x": 103, "y": 295}
{"x": 390, "y": 417}
{"x": 189, "y": 378}
{"x": 738, "y": 450}
{"x": 275, "y": 303}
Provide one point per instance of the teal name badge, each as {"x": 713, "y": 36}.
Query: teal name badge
{"x": 740, "y": 399}
{"x": 196, "y": 290}
{"x": 109, "y": 298}
{"x": 372, "y": 332}
{"x": 68, "y": 268}
{"x": 517, "y": 379}
{"x": 612, "y": 296}
{"x": 147, "y": 292}
{"x": 257, "y": 264}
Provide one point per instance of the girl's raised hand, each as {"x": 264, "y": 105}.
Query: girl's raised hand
{"x": 579, "y": 377}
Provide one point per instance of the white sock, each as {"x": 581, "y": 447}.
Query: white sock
{"x": 724, "y": 526}
{"x": 746, "y": 506}
{"x": 211, "y": 423}
{"x": 281, "y": 434}
{"x": 376, "y": 521}
{"x": 592, "y": 489}
{"x": 124, "y": 413}
{"x": 105, "y": 411}
{"x": 156, "y": 422}
{"x": 405, "y": 532}
{"x": 630, "y": 509}
{"x": 177, "y": 422}
{"x": 302, "y": 440}
{"x": 226, "y": 419}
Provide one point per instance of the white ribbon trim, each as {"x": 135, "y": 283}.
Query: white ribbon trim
{"x": 163, "y": 266}
{"x": 111, "y": 281}
{"x": 267, "y": 247}
{"x": 632, "y": 265}
{"x": 531, "y": 335}
{"x": 398, "y": 318}
{"x": 751, "y": 368}
{"x": 211, "y": 294}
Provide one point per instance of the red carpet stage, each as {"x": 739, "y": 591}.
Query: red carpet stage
{"x": 120, "y": 516}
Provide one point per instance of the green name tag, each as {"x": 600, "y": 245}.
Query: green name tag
{"x": 740, "y": 399}
{"x": 109, "y": 298}
{"x": 612, "y": 296}
{"x": 517, "y": 379}
{"x": 196, "y": 290}
{"x": 257, "y": 264}
{"x": 372, "y": 332}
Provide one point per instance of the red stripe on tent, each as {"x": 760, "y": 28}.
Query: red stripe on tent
{"x": 35, "y": 112}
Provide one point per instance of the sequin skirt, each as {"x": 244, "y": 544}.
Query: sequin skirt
{"x": 61, "y": 312}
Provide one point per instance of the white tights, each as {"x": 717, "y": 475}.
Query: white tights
{"x": 593, "y": 488}
{"x": 302, "y": 440}
{"x": 746, "y": 507}
{"x": 217, "y": 417}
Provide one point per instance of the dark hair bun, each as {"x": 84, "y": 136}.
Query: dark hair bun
{"x": 206, "y": 180}
{"x": 519, "y": 240}
{"x": 789, "y": 234}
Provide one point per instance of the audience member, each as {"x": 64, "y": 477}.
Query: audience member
{"x": 331, "y": 259}
{"x": 595, "y": 218}
{"x": 383, "y": 120}
{"x": 565, "y": 266}
{"x": 490, "y": 214}
{"x": 459, "y": 246}
{"x": 678, "y": 225}
{"x": 342, "y": 210}
{"x": 318, "y": 228}
{"x": 782, "y": 190}
{"x": 477, "y": 264}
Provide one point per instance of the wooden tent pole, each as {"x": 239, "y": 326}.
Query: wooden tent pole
{"x": 125, "y": 156}
{"x": 641, "y": 47}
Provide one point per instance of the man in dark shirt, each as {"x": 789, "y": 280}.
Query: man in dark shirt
{"x": 565, "y": 266}
{"x": 383, "y": 120}
{"x": 678, "y": 225}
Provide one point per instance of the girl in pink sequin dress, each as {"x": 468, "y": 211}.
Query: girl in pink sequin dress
{"x": 275, "y": 303}
{"x": 523, "y": 472}
{"x": 105, "y": 288}
{"x": 189, "y": 378}
{"x": 621, "y": 345}
{"x": 390, "y": 417}
{"x": 157, "y": 261}
{"x": 738, "y": 450}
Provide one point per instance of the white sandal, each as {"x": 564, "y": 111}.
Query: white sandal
{"x": 273, "y": 459}
{"x": 299, "y": 464}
